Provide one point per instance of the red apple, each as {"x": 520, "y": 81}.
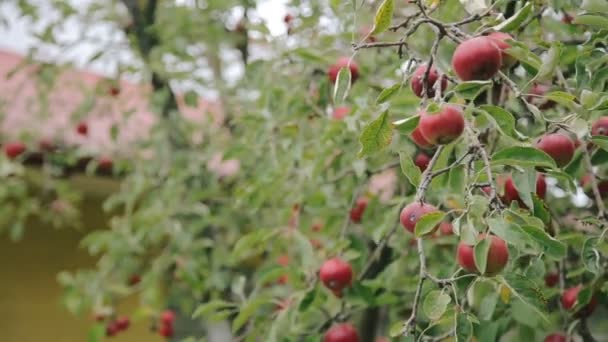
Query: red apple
{"x": 167, "y": 317}
{"x": 551, "y": 279}
{"x": 114, "y": 91}
{"x": 500, "y": 39}
{"x": 600, "y": 127}
{"x": 418, "y": 78}
{"x": 336, "y": 274}
{"x": 412, "y": 212}
{"x": 344, "y": 332}
{"x": 287, "y": 18}
{"x": 511, "y": 193}
{"x": 419, "y": 140}
{"x": 540, "y": 90}
{"x": 356, "y": 213}
{"x": 14, "y": 149}
{"x": 343, "y": 62}
{"x": 134, "y": 280}
{"x": 82, "y": 128}
{"x": 559, "y": 146}
{"x": 477, "y": 59}
{"x": 442, "y": 127}
{"x": 569, "y": 298}
{"x": 340, "y": 112}
{"x": 446, "y": 228}
{"x": 556, "y": 337}
{"x": 602, "y": 186}
{"x": 498, "y": 255}
{"x": 422, "y": 161}
{"x": 112, "y": 328}
{"x": 166, "y": 330}
{"x": 123, "y": 323}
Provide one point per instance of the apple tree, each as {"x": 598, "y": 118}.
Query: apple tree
{"x": 382, "y": 170}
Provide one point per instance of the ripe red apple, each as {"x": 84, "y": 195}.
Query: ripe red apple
{"x": 167, "y": 317}
{"x": 540, "y": 90}
{"x": 418, "y": 78}
{"x": 82, "y": 128}
{"x": 500, "y": 39}
{"x": 569, "y": 298}
{"x": 412, "y": 212}
{"x": 105, "y": 163}
{"x": 114, "y": 91}
{"x": 600, "y": 127}
{"x": 356, "y": 213}
{"x": 134, "y": 280}
{"x": 551, "y": 279}
{"x": 123, "y": 323}
{"x": 477, "y": 59}
{"x": 112, "y": 328}
{"x": 419, "y": 140}
{"x": 602, "y": 186}
{"x": 446, "y": 228}
{"x": 442, "y": 127}
{"x": 340, "y": 112}
{"x": 344, "y": 332}
{"x": 422, "y": 161}
{"x": 498, "y": 255}
{"x": 343, "y": 62}
{"x": 14, "y": 149}
{"x": 165, "y": 330}
{"x": 336, "y": 274}
{"x": 556, "y": 337}
{"x": 559, "y": 146}
{"x": 511, "y": 193}
{"x": 287, "y": 18}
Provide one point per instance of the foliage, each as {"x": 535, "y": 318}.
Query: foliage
{"x": 209, "y": 242}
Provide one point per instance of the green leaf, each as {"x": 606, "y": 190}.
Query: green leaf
{"x": 308, "y": 299}
{"x": 396, "y": 329}
{"x": 376, "y": 136}
{"x": 309, "y": 55}
{"x": 408, "y": 125}
{"x": 481, "y": 255}
{"x": 342, "y": 85}
{"x": 409, "y": 169}
{"x": 246, "y": 311}
{"x": 596, "y": 21}
{"x": 471, "y": 89}
{"x": 503, "y": 119}
{"x": 464, "y": 327}
{"x": 561, "y": 97}
{"x": 387, "y": 93}
{"x": 540, "y": 209}
{"x": 527, "y": 291}
{"x": 552, "y": 247}
{"x": 435, "y": 304}
{"x": 384, "y": 15}
{"x": 522, "y": 53}
{"x": 601, "y": 141}
{"x": 525, "y": 183}
{"x": 428, "y": 222}
{"x": 97, "y": 333}
{"x": 600, "y": 6}
{"x": 305, "y": 250}
{"x": 523, "y": 156}
{"x": 591, "y": 256}
{"x": 509, "y": 231}
{"x": 457, "y": 181}
{"x": 547, "y": 68}
{"x": 515, "y": 21}
{"x": 191, "y": 99}
{"x": 212, "y": 306}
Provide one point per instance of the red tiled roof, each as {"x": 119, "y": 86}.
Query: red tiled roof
{"x": 24, "y": 114}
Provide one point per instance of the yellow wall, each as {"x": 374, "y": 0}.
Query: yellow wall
{"x": 30, "y": 307}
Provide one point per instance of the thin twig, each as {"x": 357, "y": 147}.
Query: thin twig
{"x": 601, "y": 210}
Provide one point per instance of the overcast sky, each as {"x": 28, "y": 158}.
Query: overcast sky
{"x": 16, "y": 35}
